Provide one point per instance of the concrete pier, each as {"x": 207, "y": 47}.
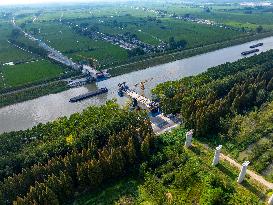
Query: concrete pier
{"x": 243, "y": 172}
{"x": 270, "y": 201}
{"x": 217, "y": 155}
{"x": 188, "y": 138}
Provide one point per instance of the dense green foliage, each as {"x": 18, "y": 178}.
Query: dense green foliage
{"x": 50, "y": 162}
{"x": 230, "y": 104}
{"x": 250, "y": 138}
{"x": 205, "y": 100}
{"x": 53, "y": 163}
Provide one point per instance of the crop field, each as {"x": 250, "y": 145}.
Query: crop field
{"x": 76, "y": 46}
{"x": 233, "y": 15}
{"x": 74, "y": 30}
{"x": 21, "y": 74}
{"x": 151, "y": 23}
{"x": 243, "y": 20}
{"x": 152, "y": 31}
{"x": 8, "y": 52}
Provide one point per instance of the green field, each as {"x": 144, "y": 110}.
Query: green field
{"x": 8, "y": 52}
{"x": 152, "y": 31}
{"x": 79, "y": 47}
{"x": 233, "y": 15}
{"x": 151, "y": 22}
{"x": 22, "y": 74}
{"x": 76, "y": 46}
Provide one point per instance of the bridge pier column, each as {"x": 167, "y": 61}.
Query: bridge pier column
{"x": 188, "y": 138}
{"x": 217, "y": 155}
{"x": 243, "y": 172}
{"x": 270, "y": 201}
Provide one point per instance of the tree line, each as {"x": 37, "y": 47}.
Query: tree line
{"x": 51, "y": 162}
{"x": 206, "y": 100}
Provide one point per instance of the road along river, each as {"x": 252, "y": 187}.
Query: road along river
{"x": 47, "y": 108}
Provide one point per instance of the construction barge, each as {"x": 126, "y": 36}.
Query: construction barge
{"x": 245, "y": 53}
{"x": 88, "y": 95}
{"x": 256, "y": 45}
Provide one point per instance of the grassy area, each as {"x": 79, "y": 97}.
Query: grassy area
{"x": 111, "y": 193}
{"x": 27, "y": 73}
{"x": 251, "y": 139}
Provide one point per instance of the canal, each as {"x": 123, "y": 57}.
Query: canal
{"x": 47, "y": 108}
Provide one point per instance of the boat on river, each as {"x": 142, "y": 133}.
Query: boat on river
{"x": 88, "y": 95}
{"x": 256, "y": 45}
{"x": 245, "y": 53}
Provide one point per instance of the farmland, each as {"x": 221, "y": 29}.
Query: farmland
{"x": 75, "y": 31}
{"x": 8, "y": 52}
{"x": 22, "y": 74}
{"x": 120, "y": 37}
{"x": 76, "y": 46}
{"x": 64, "y": 34}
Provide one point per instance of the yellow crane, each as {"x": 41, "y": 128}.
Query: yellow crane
{"x": 142, "y": 85}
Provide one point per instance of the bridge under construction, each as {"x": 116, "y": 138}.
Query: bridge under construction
{"x": 160, "y": 122}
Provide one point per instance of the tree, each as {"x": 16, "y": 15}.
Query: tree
{"x": 135, "y": 52}
{"x": 176, "y": 44}
{"x": 259, "y": 29}
{"x": 212, "y": 196}
{"x": 131, "y": 151}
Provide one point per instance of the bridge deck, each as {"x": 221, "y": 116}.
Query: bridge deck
{"x": 160, "y": 123}
{"x": 143, "y": 100}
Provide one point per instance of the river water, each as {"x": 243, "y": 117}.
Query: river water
{"x": 47, "y": 108}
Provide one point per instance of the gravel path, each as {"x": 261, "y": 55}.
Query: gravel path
{"x": 252, "y": 175}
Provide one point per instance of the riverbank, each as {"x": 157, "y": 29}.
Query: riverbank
{"x": 50, "y": 107}
{"x": 36, "y": 91}
{"x": 32, "y": 93}
{"x": 179, "y": 55}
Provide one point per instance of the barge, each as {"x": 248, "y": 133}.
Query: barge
{"x": 250, "y": 52}
{"x": 88, "y": 95}
{"x": 257, "y": 45}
